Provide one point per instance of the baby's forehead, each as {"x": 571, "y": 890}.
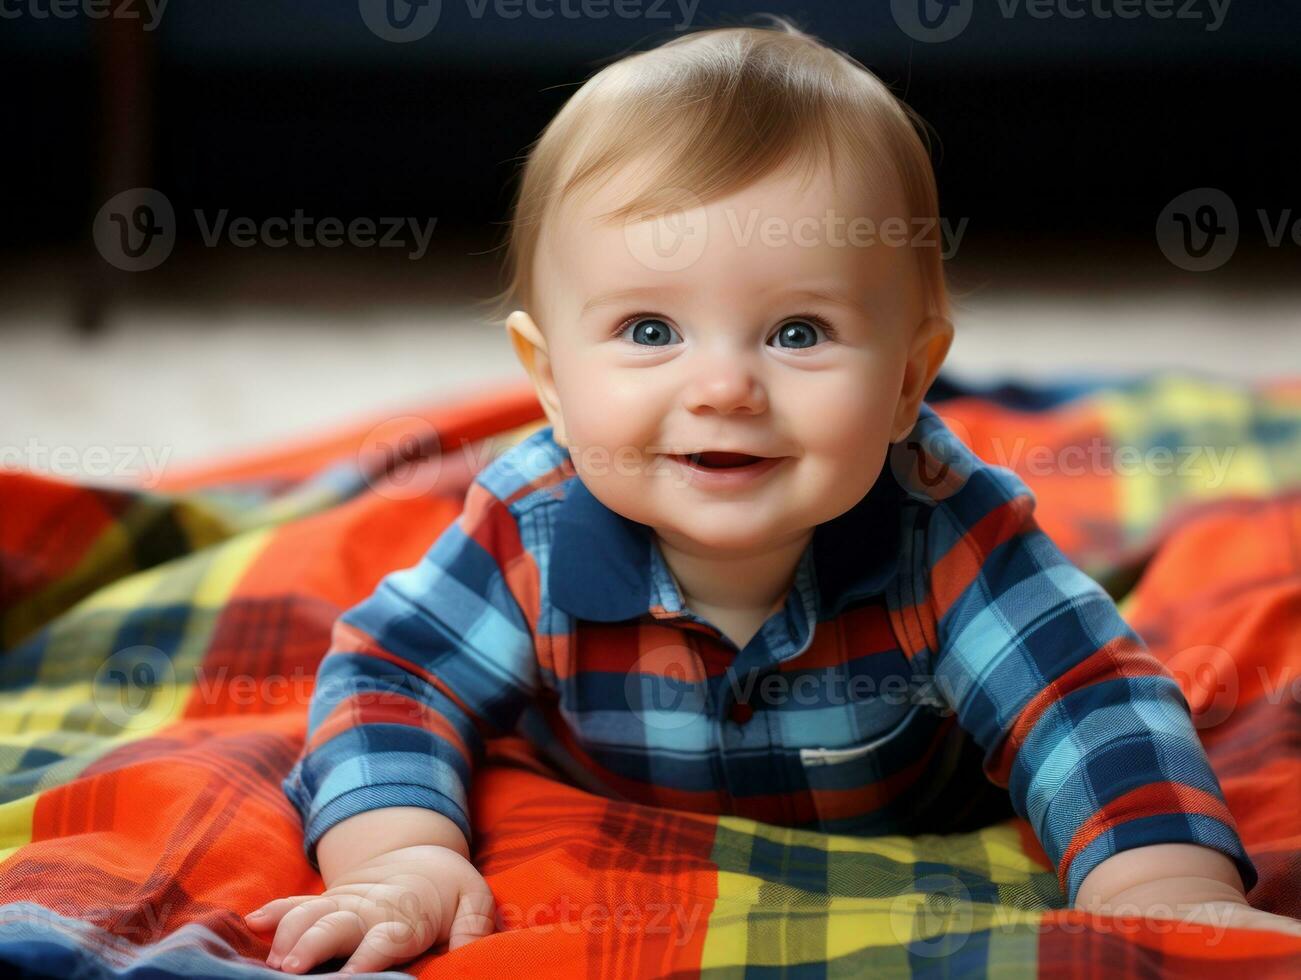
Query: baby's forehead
{"x": 626, "y": 196}
{"x": 786, "y": 226}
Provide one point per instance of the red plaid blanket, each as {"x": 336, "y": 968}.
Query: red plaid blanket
{"x": 159, "y": 646}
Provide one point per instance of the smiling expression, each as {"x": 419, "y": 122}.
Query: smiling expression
{"x": 767, "y": 336}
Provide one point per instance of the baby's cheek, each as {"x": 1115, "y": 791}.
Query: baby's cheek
{"x": 841, "y": 414}
{"x": 617, "y": 417}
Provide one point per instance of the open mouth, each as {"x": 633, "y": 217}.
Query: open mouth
{"x": 721, "y": 460}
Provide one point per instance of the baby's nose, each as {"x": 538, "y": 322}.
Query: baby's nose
{"x": 724, "y": 387}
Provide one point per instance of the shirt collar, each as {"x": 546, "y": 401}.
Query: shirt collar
{"x": 605, "y": 567}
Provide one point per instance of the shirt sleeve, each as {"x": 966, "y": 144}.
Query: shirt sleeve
{"x": 1089, "y": 732}
{"x": 439, "y": 657}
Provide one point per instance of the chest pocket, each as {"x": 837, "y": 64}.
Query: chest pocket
{"x": 854, "y": 776}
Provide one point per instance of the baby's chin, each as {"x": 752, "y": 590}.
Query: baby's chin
{"x": 723, "y": 529}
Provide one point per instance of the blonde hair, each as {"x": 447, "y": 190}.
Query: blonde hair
{"x": 720, "y": 108}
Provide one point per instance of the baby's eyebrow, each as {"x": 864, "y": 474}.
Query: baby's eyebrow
{"x": 619, "y": 295}
{"x": 824, "y": 296}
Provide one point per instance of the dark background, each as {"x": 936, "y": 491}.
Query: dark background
{"x": 1059, "y": 138}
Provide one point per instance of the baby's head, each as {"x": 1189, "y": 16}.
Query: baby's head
{"x": 729, "y": 242}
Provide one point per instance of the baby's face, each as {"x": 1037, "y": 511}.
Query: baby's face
{"x": 715, "y": 343}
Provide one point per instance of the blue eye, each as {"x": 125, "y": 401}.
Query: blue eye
{"x": 647, "y": 331}
{"x": 800, "y": 331}
{"x": 796, "y": 334}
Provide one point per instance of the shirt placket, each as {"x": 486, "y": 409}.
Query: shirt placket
{"x": 743, "y": 731}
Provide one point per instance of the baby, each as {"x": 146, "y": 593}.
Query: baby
{"x": 744, "y": 569}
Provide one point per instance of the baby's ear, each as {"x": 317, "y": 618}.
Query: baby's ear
{"x": 926, "y": 353}
{"x": 525, "y": 337}
{"x": 531, "y": 349}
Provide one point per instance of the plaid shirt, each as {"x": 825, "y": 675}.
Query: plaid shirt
{"x": 932, "y": 632}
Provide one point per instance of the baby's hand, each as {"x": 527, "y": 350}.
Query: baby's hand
{"x": 389, "y": 909}
{"x": 1194, "y": 898}
{"x": 1237, "y": 915}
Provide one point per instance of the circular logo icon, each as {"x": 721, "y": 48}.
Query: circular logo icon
{"x": 935, "y": 922}
{"x": 665, "y": 688}
{"x": 1198, "y": 230}
{"x": 135, "y": 687}
{"x": 136, "y": 229}
{"x": 400, "y": 21}
{"x": 931, "y": 21}
{"x": 1208, "y": 677}
{"x": 401, "y": 457}
{"x": 672, "y": 236}
{"x": 931, "y": 462}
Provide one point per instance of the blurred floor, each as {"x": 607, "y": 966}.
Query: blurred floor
{"x": 230, "y": 352}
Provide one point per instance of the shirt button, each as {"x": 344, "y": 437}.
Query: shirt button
{"x": 740, "y": 712}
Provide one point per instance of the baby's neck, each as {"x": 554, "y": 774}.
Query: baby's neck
{"x": 755, "y": 584}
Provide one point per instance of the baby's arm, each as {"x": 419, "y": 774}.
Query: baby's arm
{"x": 438, "y": 658}
{"x": 1089, "y": 732}
{"x": 366, "y": 835}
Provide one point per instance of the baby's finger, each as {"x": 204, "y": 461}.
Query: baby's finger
{"x": 266, "y": 916}
{"x": 1275, "y": 923}
{"x": 473, "y": 916}
{"x": 296, "y": 922}
{"x": 334, "y": 934}
{"x": 384, "y": 944}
